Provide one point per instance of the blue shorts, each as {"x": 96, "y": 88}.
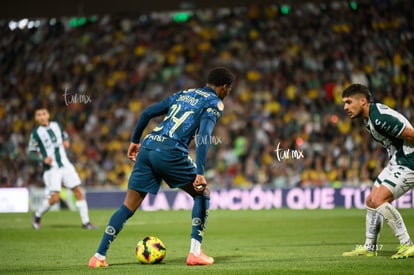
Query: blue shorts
{"x": 151, "y": 167}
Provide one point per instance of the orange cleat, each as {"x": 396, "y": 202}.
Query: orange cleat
{"x": 201, "y": 259}
{"x": 94, "y": 262}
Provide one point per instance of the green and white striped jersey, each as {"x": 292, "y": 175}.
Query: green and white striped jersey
{"x": 385, "y": 126}
{"x": 48, "y": 141}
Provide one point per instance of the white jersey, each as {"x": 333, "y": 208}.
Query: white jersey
{"x": 385, "y": 126}
{"x": 48, "y": 141}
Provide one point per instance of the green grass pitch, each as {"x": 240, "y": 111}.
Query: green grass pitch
{"x": 277, "y": 241}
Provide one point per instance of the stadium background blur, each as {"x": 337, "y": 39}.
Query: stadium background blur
{"x": 98, "y": 72}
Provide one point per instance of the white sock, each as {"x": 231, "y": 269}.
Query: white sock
{"x": 373, "y": 228}
{"x": 100, "y": 257}
{"x": 44, "y": 207}
{"x": 195, "y": 247}
{"x": 395, "y": 222}
{"x": 83, "y": 211}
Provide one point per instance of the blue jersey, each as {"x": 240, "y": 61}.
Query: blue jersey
{"x": 189, "y": 114}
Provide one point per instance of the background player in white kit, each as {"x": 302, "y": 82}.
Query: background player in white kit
{"x": 393, "y": 131}
{"x": 48, "y": 142}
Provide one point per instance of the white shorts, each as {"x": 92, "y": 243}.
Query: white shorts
{"x": 56, "y": 177}
{"x": 398, "y": 179}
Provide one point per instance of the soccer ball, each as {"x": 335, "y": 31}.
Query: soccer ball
{"x": 150, "y": 250}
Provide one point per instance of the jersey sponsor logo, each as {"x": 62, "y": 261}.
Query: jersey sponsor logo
{"x": 385, "y": 127}
{"x": 156, "y": 137}
{"x": 396, "y": 130}
{"x": 202, "y": 93}
{"x": 47, "y": 143}
{"x": 213, "y": 111}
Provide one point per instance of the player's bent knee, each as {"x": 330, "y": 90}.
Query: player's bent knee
{"x": 370, "y": 201}
{"x": 77, "y": 192}
{"x": 54, "y": 198}
{"x": 375, "y": 203}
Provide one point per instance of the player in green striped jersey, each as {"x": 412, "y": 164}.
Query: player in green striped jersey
{"x": 48, "y": 143}
{"x": 396, "y": 134}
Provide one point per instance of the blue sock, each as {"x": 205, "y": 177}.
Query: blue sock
{"x": 199, "y": 217}
{"x": 114, "y": 226}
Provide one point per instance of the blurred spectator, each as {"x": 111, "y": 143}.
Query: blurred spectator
{"x": 291, "y": 70}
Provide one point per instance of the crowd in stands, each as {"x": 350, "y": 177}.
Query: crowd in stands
{"x": 283, "y": 124}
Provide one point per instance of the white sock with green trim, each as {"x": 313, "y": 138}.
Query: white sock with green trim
{"x": 373, "y": 228}
{"x": 395, "y": 222}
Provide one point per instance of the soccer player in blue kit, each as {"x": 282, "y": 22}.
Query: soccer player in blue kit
{"x": 163, "y": 155}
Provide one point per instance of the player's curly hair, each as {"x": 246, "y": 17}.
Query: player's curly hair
{"x": 220, "y": 76}
{"x": 357, "y": 89}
